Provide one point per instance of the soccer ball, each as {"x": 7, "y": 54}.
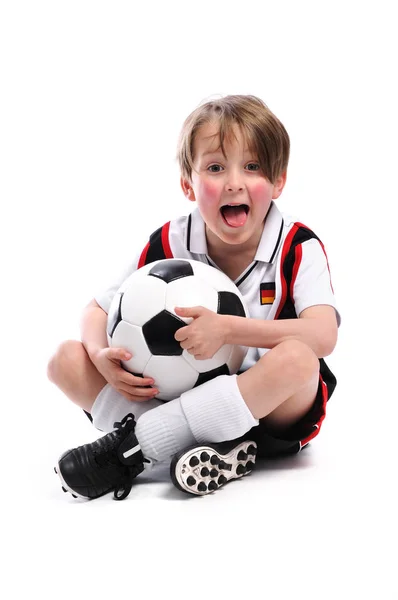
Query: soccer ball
{"x": 142, "y": 320}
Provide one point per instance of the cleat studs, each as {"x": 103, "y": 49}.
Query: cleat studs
{"x": 252, "y": 450}
{"x": 202, "y": 487}
{"x": 240, "y": 470}
{"x": 212, "y": 486}
{"x": 249, "y": 465}
{"x": 213, "y": 473}
{"x": 242, "y": 455}
{"x": 222, "y": 479}
{"x": 191, "y": 481}
{"x": 63, "y": 489}
{"x": 214, "y": 460}
{"x": 225, "y": 466}
{"x": 204, "y": 457}
{"x": 194, "y": 461}
{"x": 204, "y": 472}
{"x": 74, "y": 496}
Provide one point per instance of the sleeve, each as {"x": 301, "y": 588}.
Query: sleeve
{"x": 104, "y": 297}
{"x": 312, "y": 284}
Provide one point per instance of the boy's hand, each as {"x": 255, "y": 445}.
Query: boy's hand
{"x": 204, "y": 335}
{"x": 107, "y": 361}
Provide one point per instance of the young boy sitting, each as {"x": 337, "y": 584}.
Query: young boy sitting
{"x": 233, "y": 155}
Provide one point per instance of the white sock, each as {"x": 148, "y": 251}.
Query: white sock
{"x": 216, "y": 411}
{"x": 212, "y": 412}
{"x": 110, "y": 407}
{"x": 163, "y": 431}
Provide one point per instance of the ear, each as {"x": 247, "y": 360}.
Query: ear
{"x": 187, "y": 189}
{"x": 279, "y": 185}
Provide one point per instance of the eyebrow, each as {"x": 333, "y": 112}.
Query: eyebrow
{"x": 219, "y": 151}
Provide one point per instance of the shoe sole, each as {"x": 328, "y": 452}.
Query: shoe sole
{"x": 202, "y": 470}
{"x": 65, "y": 486}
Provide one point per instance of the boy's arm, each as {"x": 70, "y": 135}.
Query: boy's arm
{"x": 93, "y": 329}
{"x": 316, "y": 327}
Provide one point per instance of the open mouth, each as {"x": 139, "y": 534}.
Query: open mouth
{"x": 235, "y": 215}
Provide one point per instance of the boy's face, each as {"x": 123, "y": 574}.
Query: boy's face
{"x": 233, "y": 194}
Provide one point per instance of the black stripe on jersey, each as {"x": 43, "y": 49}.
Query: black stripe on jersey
{"x": 189, "y": 233}
{"x": 155, "y": 250}
{"x": 302, "y": 235}
{"x": 277, "y": 243}
{"x": 288, "y": 311}
{"x": 241, "y": 280}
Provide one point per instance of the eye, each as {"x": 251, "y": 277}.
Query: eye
{"x": 255, "y": 165}
{"x": 210, "y": 168}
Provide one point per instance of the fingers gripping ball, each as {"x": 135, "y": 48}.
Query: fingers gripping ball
{"x": 142, "y": 320}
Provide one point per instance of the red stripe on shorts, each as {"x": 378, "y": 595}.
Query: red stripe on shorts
{"x": 317, "y": 429}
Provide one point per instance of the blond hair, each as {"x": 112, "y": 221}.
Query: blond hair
{"x": 264, "y": 133}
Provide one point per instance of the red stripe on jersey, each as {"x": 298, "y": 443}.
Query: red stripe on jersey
{"x": 141, "y": 262}
{"x": 268, "y": 293}
{"x": 165, "y": 240}
{"x": 298, "y": 252}
{"x": 285, "y": 250}
{"x": 324, "y": 251}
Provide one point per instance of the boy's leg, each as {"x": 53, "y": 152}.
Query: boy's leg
{"x": 279, "y": 389}
{"x": 281, "y": 386}
{"x": 72, "y": 371}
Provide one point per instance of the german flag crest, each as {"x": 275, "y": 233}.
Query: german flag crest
{"x": 267, "y": 293}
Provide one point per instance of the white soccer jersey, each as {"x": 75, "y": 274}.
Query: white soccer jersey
{"x": 289, "y": 272}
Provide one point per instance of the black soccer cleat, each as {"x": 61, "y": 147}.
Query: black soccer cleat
{"x": 203, "y": 469}
{"x": 108, "y": 464}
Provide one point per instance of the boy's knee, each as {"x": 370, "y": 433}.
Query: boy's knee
{"x": 297, "y": 360}
{"x": 66, "y": 354}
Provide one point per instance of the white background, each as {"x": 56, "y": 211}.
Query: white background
{"x": 93, "y": 96}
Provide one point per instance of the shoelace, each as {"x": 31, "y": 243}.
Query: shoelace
{"x": 126, "y": 483}
{"x": 104, "y": 453}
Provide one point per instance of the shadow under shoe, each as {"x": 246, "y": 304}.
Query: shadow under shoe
{"x": 204, "y": 468}
{"x": 111, "y": 463}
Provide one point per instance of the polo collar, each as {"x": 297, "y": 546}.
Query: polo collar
{"x": 271, "y": 236}
{"x": 196, "y": 234}
{"x": 269, "y": 242}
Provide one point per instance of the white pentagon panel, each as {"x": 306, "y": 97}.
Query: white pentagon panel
{"x": 144, "y": 297}
{"x": 188, "y": 292}
{"x": 130, "y": 337}
{"x": 201, "y": 366}
{"x": 172, "y": 376}
{"x": 217, "y": 279}
{"x": 214, "y": 277}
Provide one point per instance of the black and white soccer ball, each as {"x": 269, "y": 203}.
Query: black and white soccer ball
{"x": 142, "y": 320}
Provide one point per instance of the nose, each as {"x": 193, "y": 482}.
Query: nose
{"x": 234, "y": 181}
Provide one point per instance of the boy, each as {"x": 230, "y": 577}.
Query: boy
{"x": 233, "y": 155}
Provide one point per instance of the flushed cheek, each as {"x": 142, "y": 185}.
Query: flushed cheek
{"x": 260, "y": 192}
{"x": 209, "y": 194}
